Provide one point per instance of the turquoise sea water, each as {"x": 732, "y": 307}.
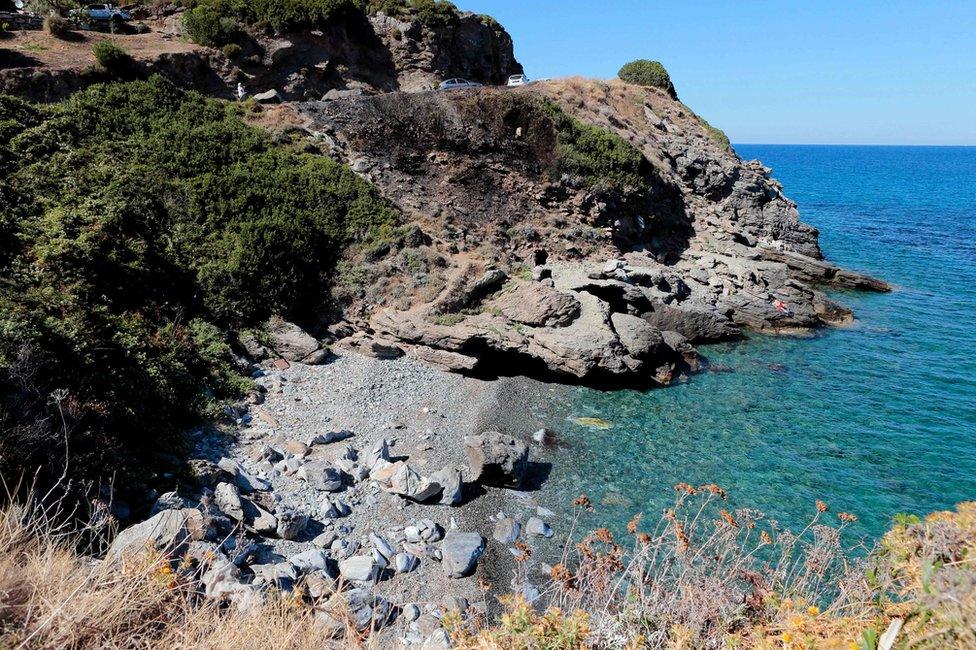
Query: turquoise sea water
{"x": 876, "y": 419}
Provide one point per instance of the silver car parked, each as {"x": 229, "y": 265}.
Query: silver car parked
{"x": 454, "y": 84}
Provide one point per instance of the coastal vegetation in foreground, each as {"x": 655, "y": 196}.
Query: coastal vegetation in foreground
{"x": 141, "y": 227}
{"x": 700, "y": 575}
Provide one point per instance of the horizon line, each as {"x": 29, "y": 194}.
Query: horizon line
{"x": 847, "y": 144}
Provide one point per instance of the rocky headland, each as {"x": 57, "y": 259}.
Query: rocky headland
{"x": 515, "y": 265}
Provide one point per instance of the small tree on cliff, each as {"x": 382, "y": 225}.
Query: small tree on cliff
{"x": 648, "y": 73}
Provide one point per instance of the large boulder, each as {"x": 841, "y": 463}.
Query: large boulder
{"x": 268, "y": 97}
{"x": 497, "y": 459}
{"x": 695, "y": 322}
{"x": 292, "y": 342}
{"x": 539, "y": 305}
{"x": 166, "y": 532}
{"x": 460, "y": 553}
{"x": 636, "y": 334}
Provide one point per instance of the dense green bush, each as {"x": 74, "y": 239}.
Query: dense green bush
{"x": 435, "y": 12}
{"x": 647, "y": 73}
{"x": 595, "y": 155}
{"x": 206, "y": 26}
{"x": 140, "y": 226}
{"x": 110, "y": 55}
{"x": 215, "y": 22}
{"x": 231, "y": 50}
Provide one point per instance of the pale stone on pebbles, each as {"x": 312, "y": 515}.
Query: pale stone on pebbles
{"x": 382, "y": 546}
{"x": 263, "y": 522}
{"x": 450, "y": 481}
{"x": 399, "y": 478}
{"x": 539, "y": 528}
{"x": 359, "y": 568}
{"x": 313, "y": 560}
{"x": 405, "y": 562}
{"x": 291, "y": 523}
{"x": 461, "y": 552}
{"x": 321, "y": 476}
{"x": 411, "y": 613}
{"x": 507, "y": 530}
{"x": 228, "y": 500}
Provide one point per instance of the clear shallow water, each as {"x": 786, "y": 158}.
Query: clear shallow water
{"x": 876, "y": 419}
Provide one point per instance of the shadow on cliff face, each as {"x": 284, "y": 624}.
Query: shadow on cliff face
{"x": 307, "y": 64}
{"x": 513, "y": 167}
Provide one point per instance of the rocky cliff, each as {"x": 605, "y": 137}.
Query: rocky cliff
{"x": 352, "y": 54}
{"x": 543, "y": 245}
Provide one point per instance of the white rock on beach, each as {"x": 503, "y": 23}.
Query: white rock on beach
{"x": 359, "y": 568}
{"x": 228, "y": 500}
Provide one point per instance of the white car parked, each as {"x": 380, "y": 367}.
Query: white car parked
{"x": 453, "y": 84}
{"x": 518, "y": 80}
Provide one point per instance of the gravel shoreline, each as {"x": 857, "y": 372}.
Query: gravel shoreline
{"x": 426, "y": 413}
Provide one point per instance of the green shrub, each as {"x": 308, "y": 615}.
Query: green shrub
{"x": 435, "y": 13}
{"x": 57, "y": 26}
{"x": 215, "y": 22}
{"x": 594, "y": 155}
{"x": 110, "y": 55}
{"x": 647, "y": 73}
{"x": 231, "y": 50}
{"x": 430, "y": 12}
{"x": 140, "y": 227}
{"x": 206, "y": 26}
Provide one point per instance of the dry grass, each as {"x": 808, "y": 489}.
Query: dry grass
{"x": 701, "y": 576}
{"x": 51, "y": 596}
{"x": 705, "y": 577}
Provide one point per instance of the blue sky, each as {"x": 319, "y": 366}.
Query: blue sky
{"x": 821, "y": 71}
